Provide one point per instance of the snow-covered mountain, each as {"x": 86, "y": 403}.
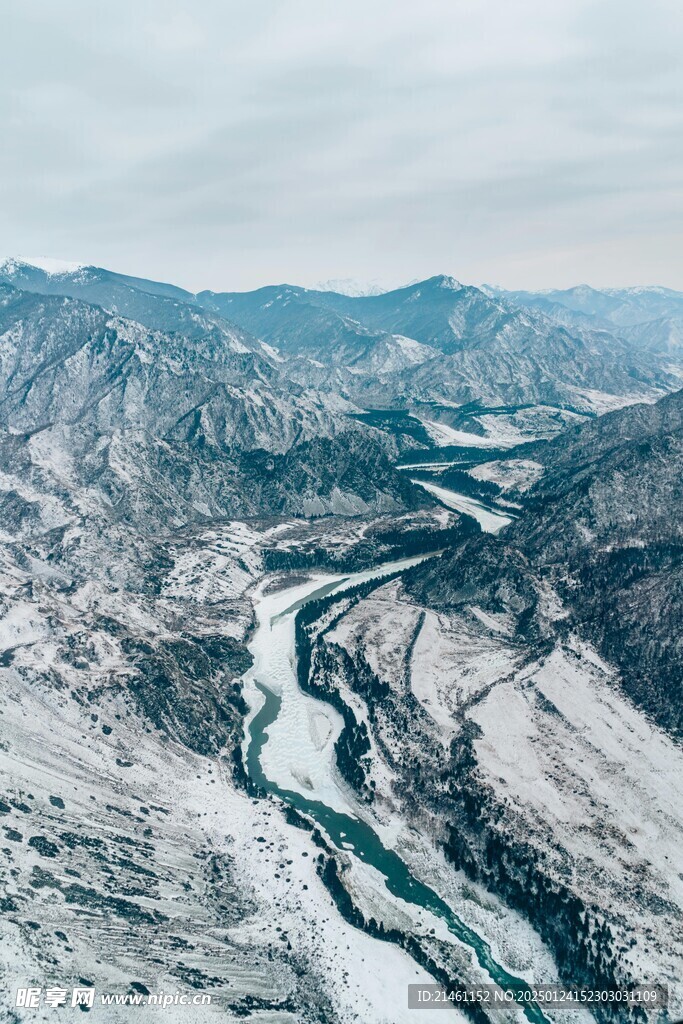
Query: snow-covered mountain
{"x": 147, "y": 413}
{"x": 349, "y": 286}
{"x": 649, "y": 318}
{"x": 467, "y": 346}
{"x": 28, "y": 267}
{"x": 500, "y": 722}
{"x": 544, "y": 665}
{"x": 435, "y": 341}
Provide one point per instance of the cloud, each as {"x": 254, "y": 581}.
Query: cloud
{"x": 226, "y": 145}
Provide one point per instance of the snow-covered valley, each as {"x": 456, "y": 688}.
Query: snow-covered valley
{"x": 322, "y": 658}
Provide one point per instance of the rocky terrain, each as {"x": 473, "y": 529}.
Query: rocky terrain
{"x": 504, "y": 685}
{"x": 506, "y": 714}
{"x": 433, "y": 342}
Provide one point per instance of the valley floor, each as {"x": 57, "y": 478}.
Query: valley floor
{"x": 135, "y": 853}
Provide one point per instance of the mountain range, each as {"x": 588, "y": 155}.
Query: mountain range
{"x": 505, "y": 714}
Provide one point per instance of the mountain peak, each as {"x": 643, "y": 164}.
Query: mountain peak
{"x": 446, "y": 282}
{"x": 349, "y": 286}
{"x": 49, "y": 265}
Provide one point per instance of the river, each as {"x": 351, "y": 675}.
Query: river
{"x": 490, "y": 521}
{"x": 290, "y": 753}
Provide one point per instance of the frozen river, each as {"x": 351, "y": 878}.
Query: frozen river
{"x": 290, "y": 752}
{"x": 490, "y": 521}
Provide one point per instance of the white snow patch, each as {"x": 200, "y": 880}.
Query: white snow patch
{"x": 501, "y": 431}
{"x": 601, "y": 401}
{"x": 444, "y": 436}
{"x": 272, "y": 352}
{"x": 517, "y": 474}
{"x": 47, "y": 264}
{"x": 605, "y": 781}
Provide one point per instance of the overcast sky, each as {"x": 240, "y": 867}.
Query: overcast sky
{"x": 223, "y": 144}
